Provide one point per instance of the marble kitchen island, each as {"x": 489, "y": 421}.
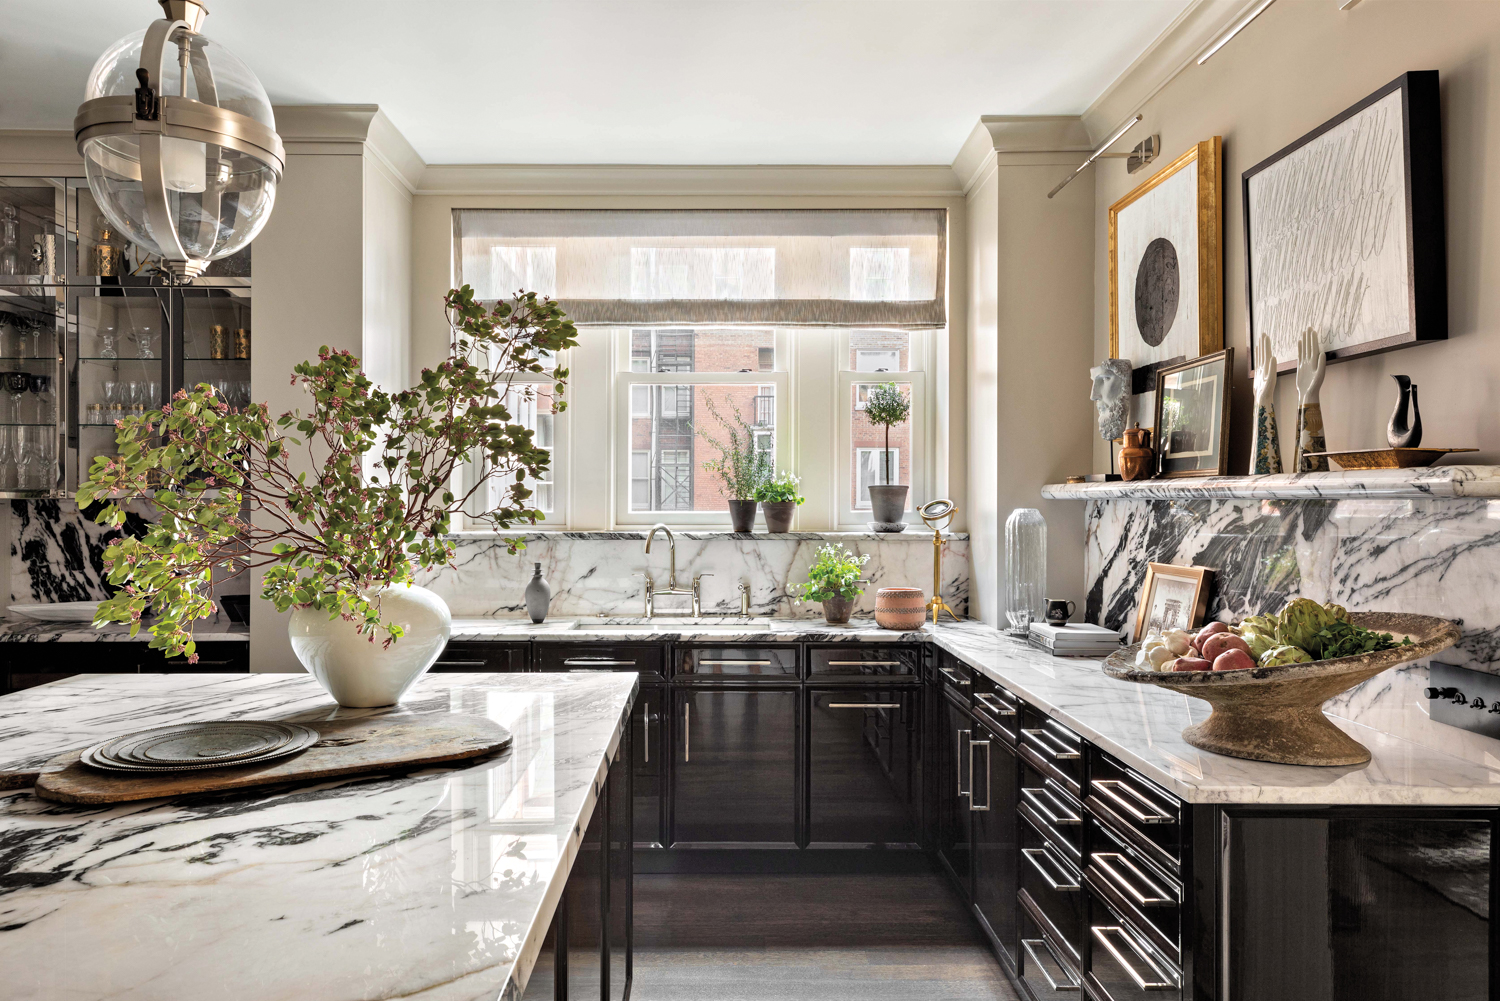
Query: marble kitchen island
{"x": 439, "y": 883}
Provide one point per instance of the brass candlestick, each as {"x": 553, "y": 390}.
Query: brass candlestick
{"x": 938, "y": 515}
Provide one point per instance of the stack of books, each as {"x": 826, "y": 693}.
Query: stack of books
{"x": 1074, "y": 640}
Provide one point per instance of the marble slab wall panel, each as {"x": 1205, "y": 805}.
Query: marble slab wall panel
{"x": 57, "y": 553}
{"x": 594, "y": 573}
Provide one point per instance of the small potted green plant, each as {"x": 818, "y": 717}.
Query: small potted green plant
{"x": 742, "y": 465}
{"x": 778, "y": 501}
{"x": 887, "y": 405}
{"x": 833, "y": 580}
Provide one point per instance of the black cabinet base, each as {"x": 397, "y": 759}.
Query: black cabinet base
{"x": 785, "y": 862}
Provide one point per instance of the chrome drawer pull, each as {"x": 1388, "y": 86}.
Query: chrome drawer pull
{"x": 1102, "y": 935}
{"x": 1059, "y": 883}
{"x": 587, "y": 662}
{"x": 725, "y": 663}
{"x": 1055, "y": 748}
{"x": 1153, "y": 896}
{"x": 1049, "y": 807}
{"x": 1110, "y": 789}
{"x": 962, "y": 734}
{"x": 990, "y": 702}
{"x": 480, "y": 664}
{"x": 955, "y": 677}
{"x": 864, "y": 705}
{"x": 866, "y": 663}
{"x": 1030, "y": 944}
{"x": 687, "y": 732}
{"x": 986, "y": 745}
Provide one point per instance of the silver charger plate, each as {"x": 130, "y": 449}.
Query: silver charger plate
{"x": 194, "y": 746}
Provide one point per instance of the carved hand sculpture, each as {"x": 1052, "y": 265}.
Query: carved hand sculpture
{"x": 1266, "y": 452}
{"x": 1310, "y": 363}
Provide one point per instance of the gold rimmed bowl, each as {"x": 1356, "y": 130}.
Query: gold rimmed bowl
{"x": 1276, "y": 713}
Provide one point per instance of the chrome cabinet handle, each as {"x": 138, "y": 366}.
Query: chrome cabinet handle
{"x": 864, "y": 705}
{"x": 646, "y": 732}
{"x": 1059, "y": 883}
{"x": 1050, "y": 807}
{"x": 596, "y": 662}
{"x": 480, "y": 664}
{"x": 994, "y": 705}
{"x": 1055, "y": 748}
{"x": 724, "y": 663}
{"x": 986, "y": 745}
{"x": 866, "y": 663}
{"x": 1111, "y": 790}
{"x": 1030, "y": 944}
{"x": 1151, "y": 896}
{"x": 962, "y": 734}
{"x": 1102, "y": 935}
{"x": 954, "y": 676}
{"x": 687, "y": 731}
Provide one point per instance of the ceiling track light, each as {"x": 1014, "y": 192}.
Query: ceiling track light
{"x": 1096, "y": 154}
{"x": 1234, "y": 29}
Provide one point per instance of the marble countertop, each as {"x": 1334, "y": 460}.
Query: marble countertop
{"x": 435, "y": 884}
{"x": 18, "y": 629}
{"x": 1433, "y": 481}
{"x": 718, "y": 628}
{"x": 1142, "y": 725}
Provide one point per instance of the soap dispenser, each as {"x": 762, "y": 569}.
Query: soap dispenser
{"x": 538, "y": 595}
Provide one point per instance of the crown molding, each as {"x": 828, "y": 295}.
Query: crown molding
{"x": 1174, "y": 51}
{"x": 39, "y": 153}
{"x": 648, "y": 180}
{"x": 1020, "y": 140}
{"x": 349, "y": 130}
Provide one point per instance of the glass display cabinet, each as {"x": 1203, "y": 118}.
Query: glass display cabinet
{"x": 89, "y": 334}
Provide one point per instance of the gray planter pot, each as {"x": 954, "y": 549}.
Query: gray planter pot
{"x": 778, "y": 515}
{"x": 742, "y": 515}
{"x": 836, "y": 610}
{"x": 888, "y": 507}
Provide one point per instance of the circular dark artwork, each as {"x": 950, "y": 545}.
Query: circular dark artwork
{"x": 1156, "y": 291}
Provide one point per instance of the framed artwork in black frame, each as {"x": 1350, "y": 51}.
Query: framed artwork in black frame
{"x": 1192, "y": 416}
{"x": 1344, "y": 229}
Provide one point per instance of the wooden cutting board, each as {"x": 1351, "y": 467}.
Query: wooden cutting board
{"x": 347, "y": 747}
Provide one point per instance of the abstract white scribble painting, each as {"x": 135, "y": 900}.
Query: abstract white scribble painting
{"x": 1328, "y": 241}
{"x": 1157, "y": 250}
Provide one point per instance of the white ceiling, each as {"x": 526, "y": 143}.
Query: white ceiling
{"x": 631, "y": 81}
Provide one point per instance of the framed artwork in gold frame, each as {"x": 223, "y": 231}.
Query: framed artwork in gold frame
{"x": 1166, "y": 280}
{"x": 1172, "y": 597}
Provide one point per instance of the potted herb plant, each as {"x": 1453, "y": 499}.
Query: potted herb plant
{"x": 339, "y": 506}
{"x": 887, "y": 405}
{"x": 833, "y": 580}
{"x": 742, "y": 465}
{"x": 778, "y": 501}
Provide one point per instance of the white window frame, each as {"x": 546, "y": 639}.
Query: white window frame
{"x": 624, "y": 379}
{"x": 923, "y": 456}
{"x": 557, "y": 518}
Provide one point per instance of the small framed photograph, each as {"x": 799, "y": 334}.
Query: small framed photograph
{"x": 1192, "y": 416}
{"x": 1172, "y": 597}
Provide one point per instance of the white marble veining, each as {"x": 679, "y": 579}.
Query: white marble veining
{"x": 17, "y": 629}
{"x": 1433, "y": 481}
{"x": 1142, "y": 725}
{"x": 725, "y": 629}
{"x": 436, "y": 884}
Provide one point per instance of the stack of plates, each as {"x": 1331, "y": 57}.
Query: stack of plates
{"x": 191, "y": 746}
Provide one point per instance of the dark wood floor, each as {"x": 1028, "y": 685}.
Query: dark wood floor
{"x": 808, "y": 938}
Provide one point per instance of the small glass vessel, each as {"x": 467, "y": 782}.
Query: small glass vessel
{"x": 1025, "y": 583}
{"x": 108, "y": 334}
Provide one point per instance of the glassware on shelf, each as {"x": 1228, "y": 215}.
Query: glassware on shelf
{"x": 219, "y": 344}
{"x": 113, "y": 401}
{"x": 242, "y": 344}
{"x": 16, "y": 384}
{"x": 37, "y": 326}
{"x": 10, "y": 241}
{"x": 7, "y": 455}
{"x": 41, "y": 389}
{"x": 108, "y": 334}
{"x": 143, "y": 343}
{"x": 94, "y": 415}
{"x": 1025, "y": 569}
{"x": 26, "y": 456}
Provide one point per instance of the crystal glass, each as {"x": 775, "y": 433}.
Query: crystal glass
{"x": 41, "y": 390}
{"x": 16, "y": 384}
{"x": 26, "y": 457}
{"x": 108, "y": 334}
{"x": 145, "y": 337}
{"x": 37, "y": 327}
{"x": 7, "y": 467}
{"x": 114, "y": 401}
{"x": 1025, "y": 568}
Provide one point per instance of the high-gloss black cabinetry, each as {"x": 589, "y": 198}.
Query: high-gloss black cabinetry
{"x": 951, "y": 749}
{"x": 995, "y": 852}
{"x": 648, "y": 723}
{"x": 646, "y": 659}
{"x": 502, "y": 658}
{"x": 864, "y": 767}
{"x": 734, "y": 766}
{"x": 26, "y": 665}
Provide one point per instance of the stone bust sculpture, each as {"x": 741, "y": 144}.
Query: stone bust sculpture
{"x": 1111, "y": 396}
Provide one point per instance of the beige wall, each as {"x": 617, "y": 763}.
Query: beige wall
{"x": 1297, "y": 65}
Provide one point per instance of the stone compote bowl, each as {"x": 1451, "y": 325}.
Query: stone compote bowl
{"x": 1276, "y": 713}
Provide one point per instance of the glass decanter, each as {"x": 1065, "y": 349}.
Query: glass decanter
{"x": 1025, "y": 582}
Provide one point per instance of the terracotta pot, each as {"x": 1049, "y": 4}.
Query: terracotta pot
{"x": 742, "y": 515}
{"x": 836, "y": 611}
{"x": 1136, "y": 456}
{"x": 900, "y": 607}
{"x": 778, "y": 515}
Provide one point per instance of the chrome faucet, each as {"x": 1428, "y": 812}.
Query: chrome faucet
{"x": 651, "y": 590}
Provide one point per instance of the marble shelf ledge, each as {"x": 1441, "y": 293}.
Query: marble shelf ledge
{"x": 914, "y": 533}
{"x": 1459, "y": 482}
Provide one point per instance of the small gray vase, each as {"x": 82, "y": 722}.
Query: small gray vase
{"x": 538, "y": 595}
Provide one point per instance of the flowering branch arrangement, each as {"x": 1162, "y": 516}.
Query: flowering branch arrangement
{"x": 355, "y": 494}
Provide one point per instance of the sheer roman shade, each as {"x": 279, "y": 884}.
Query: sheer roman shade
{"x": 779, "y": 268}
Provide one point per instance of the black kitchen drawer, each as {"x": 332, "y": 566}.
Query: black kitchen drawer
{"x": 1146, "y": 816}
{"x": 1122, "y": 964}
{"x": 645, "y": 659}
{"x": 1055, "y": 813}
{"x": 955, "y": 676}
{"x": 1044, "y": 963}
{"x": 862, "y": 663}
{"x": 502, "y": 658}
{"x": 1143, "y": 894}
{"x": 997, "y": 707}
{"x": 1052, "y": 886}
{"x": 213, "y": 658}
{"x": 737, "y": 663}
{"x": 1052, "y": 749}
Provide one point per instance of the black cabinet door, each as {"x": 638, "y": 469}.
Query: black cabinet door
{"x": 503, "y": 658}
{"x": 864, "y": 764}
{"x": 734, "y": 767}
{"x": 649, "y": 765}
{"x": 955, "y": 732}
{"x": 992, "y": 801}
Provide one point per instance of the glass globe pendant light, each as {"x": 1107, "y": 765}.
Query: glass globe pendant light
{"x": 179, "y": 143}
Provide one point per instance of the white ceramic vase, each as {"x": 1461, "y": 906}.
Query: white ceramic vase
{"x": 360, "y": 673}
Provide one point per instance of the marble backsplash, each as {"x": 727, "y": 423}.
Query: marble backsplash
{"x": 56, "y": 554}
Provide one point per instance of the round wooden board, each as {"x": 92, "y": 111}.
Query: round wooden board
{"x": 346, "y": 747}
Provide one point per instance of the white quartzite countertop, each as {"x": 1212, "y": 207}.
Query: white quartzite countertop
{"x": 435, "y": 884}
